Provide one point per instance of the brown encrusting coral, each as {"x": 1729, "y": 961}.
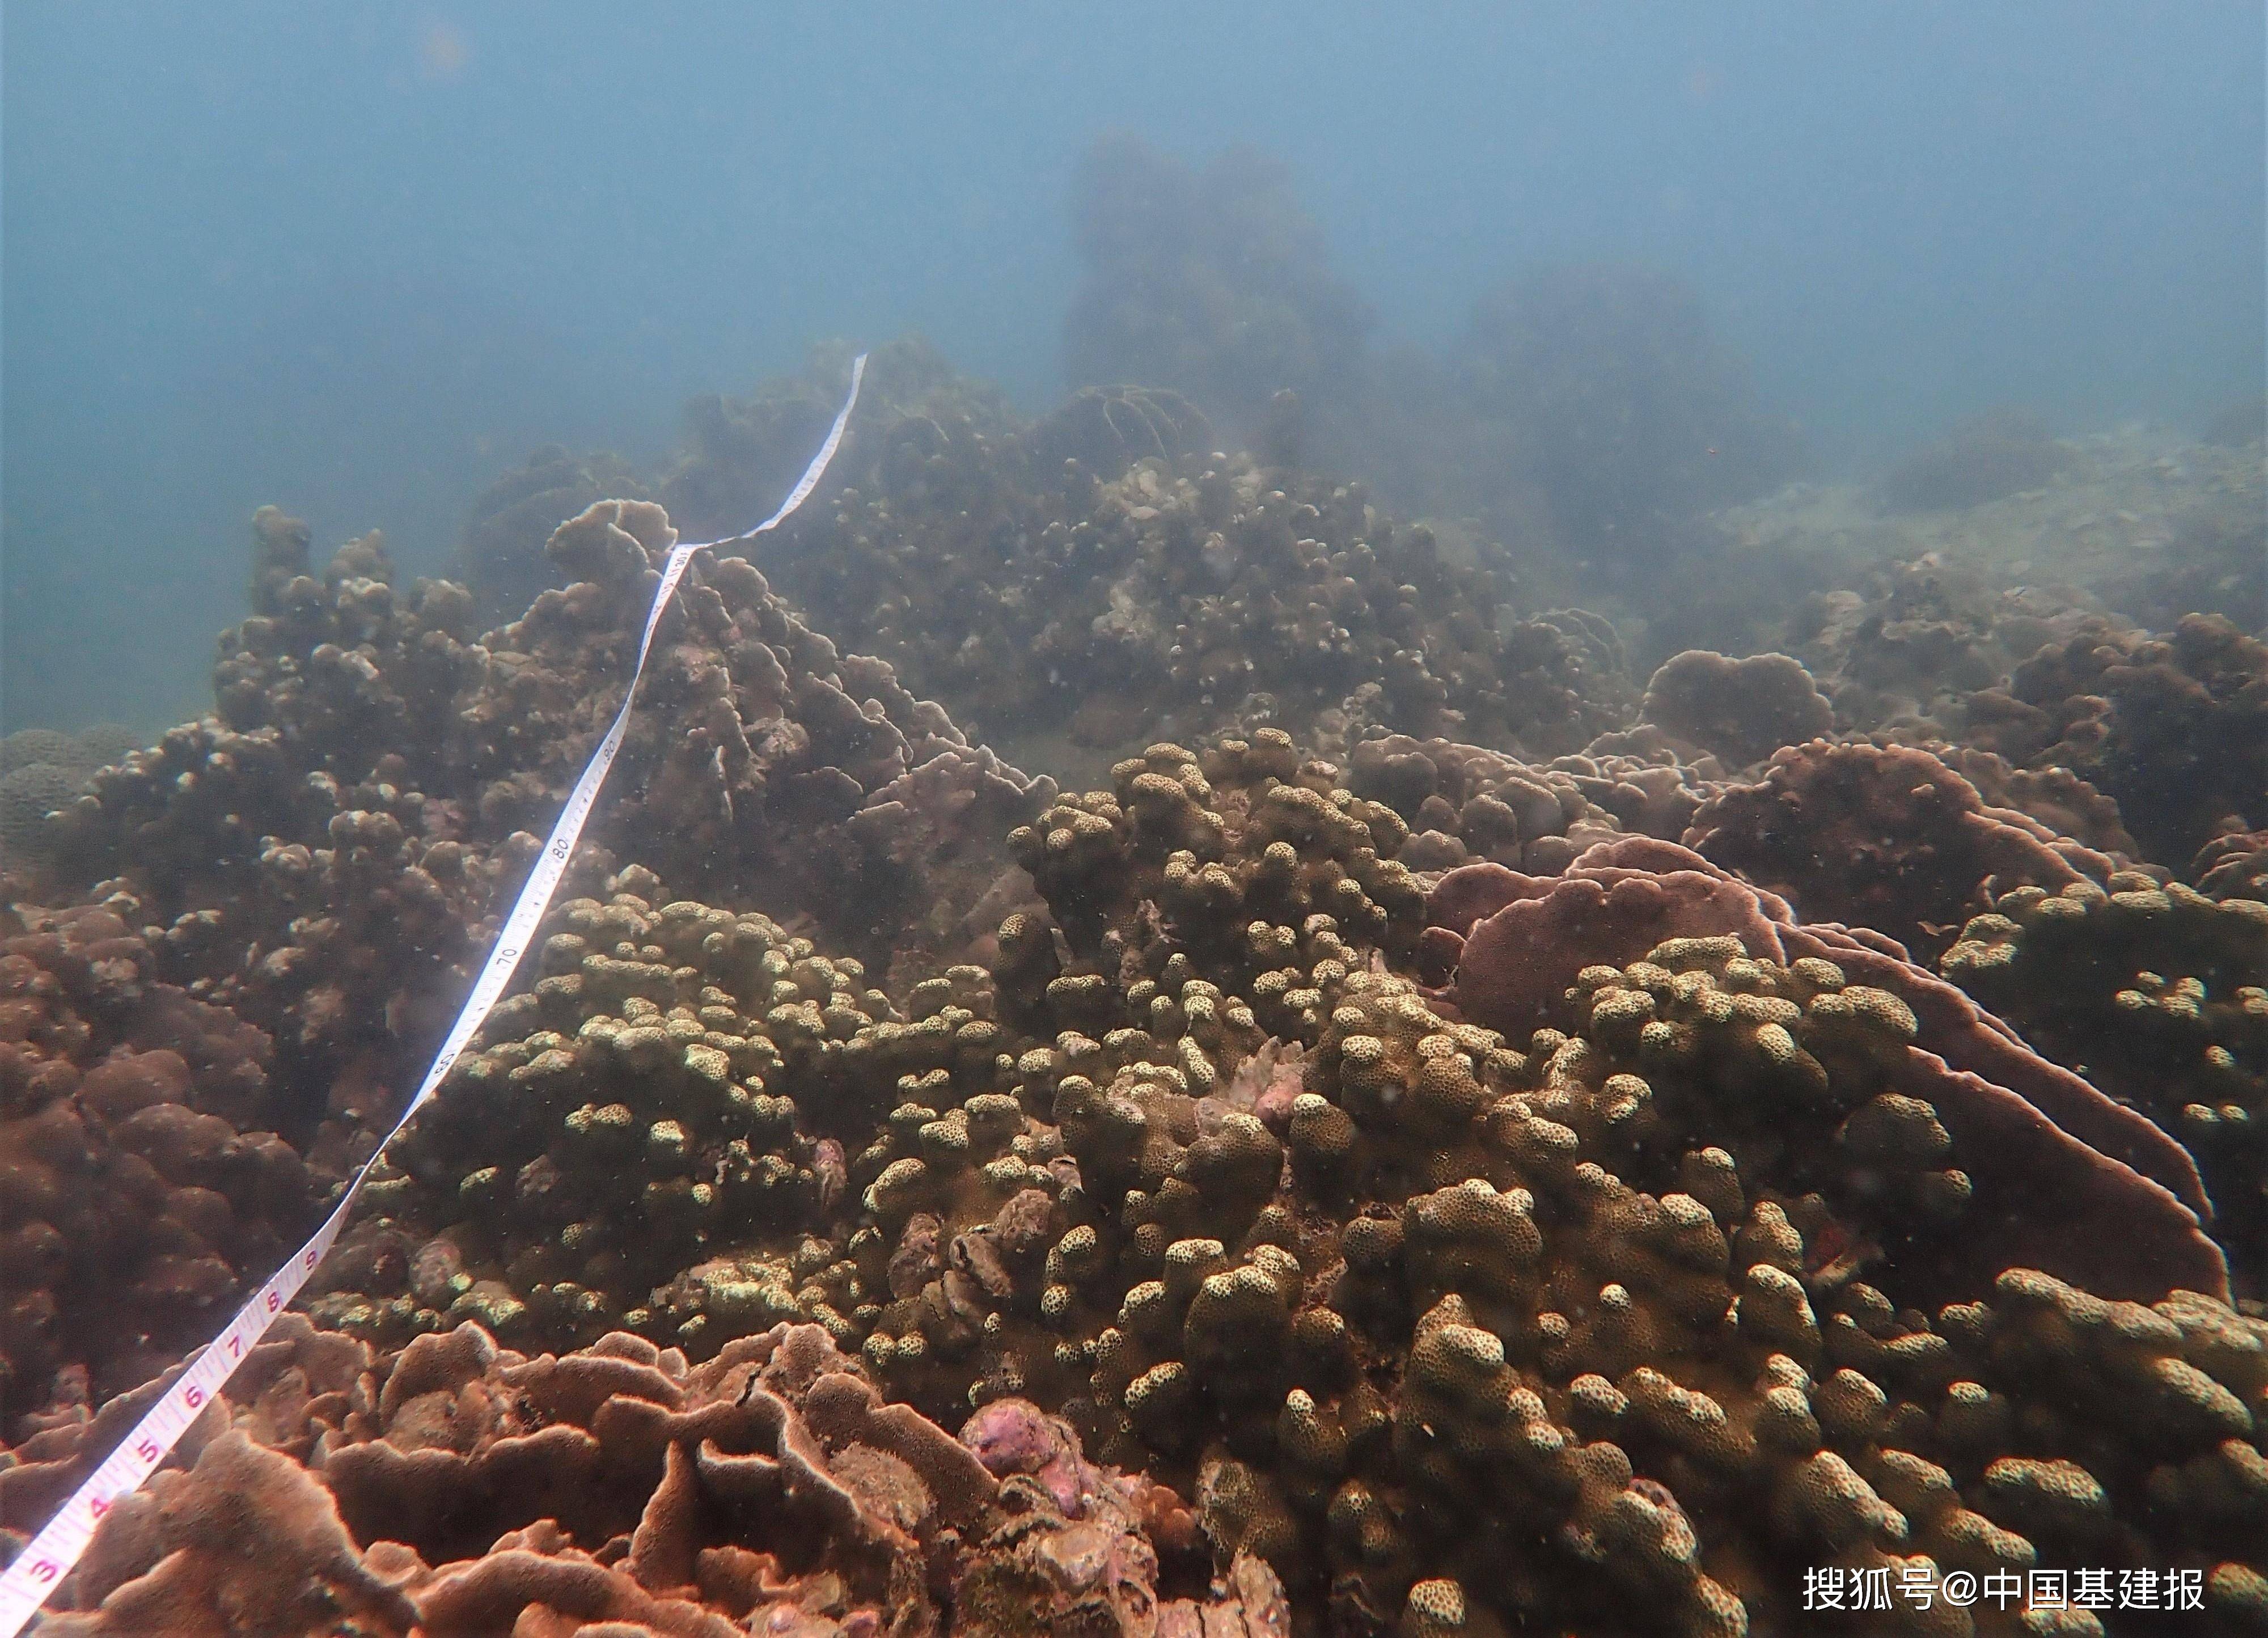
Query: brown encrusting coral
{"x": 139, "y": 1194}
{"x": 1883, "y": 837}
{"x": 462, "y": 1488}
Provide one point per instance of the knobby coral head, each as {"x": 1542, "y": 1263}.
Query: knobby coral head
{"x": 2050, "y": 1157}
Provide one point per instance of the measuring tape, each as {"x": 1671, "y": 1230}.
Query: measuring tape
{"x": 51, "y": 1553}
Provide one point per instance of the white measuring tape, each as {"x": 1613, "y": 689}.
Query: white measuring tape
{"x": 51, "y": 1553}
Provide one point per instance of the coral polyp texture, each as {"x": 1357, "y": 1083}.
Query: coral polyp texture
{"x": 1887, "y": 837}
{"x": 2162, "y": 993}
{"x": 1188, "y": 594}
{"x": 1416, "y": 1134}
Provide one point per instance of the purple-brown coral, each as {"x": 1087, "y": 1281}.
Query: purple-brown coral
{"x": 2054, "y": 1151}
{"x": 1883, "y": 837}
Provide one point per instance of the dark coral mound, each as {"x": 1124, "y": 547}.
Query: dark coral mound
{"x": 1884, "y": 837}
{"x": 1210, "y": 281}
{"x": 1626, "y": 413}
{"x": 1739, "y": 711}
{"x": 2174, "y": 728}
{"x": 1187, "y": 597}
{"x": 1981, "y": 459}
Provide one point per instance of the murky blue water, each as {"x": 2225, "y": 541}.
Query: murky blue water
{"x": 359, "y": 261}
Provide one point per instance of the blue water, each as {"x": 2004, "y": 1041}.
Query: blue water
{"x": 359, "y": 260}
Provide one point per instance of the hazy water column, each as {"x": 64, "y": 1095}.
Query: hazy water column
{"x": 358, "y": 261}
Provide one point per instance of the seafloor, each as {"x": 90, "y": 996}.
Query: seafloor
{"x": 1462, "y": 1128}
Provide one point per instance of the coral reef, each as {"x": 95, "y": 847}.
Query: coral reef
{"x": 2174, "y": 729}
{"x": 1462, "y": 803}
{"x": 1433, "y": 1143}
{"x": 1884, "y": 837}
{"x": 1586, "y": 416}
{"x": 2162, "y": 994}
{"x": 43, "y": 770}
{"x": 331, "y": 887}
{"x": 35, "y": 745}
{"x": 2212, "y": 564}
{"x": 2054, "y": 797}
{"x": 2232, "y": 865}
{"x": 1922, "y": 636}
{"x": 1739, "y": 711}
{"x": 462, "y": 1488}
{"x": 1190, "y": 599}
{"x": 665, "y": 1108}
{"x": 29, "y": 793}
{"x": 925, "y": 433}
{"x": 1321, "y": 1236}
{"x": 279, "y": 875}
{"x": 138, "y": 1196}
{"x": 1518, "y": 947}
{"x": 1105, "y": 429}
{"x": 1902, "y": 613}
{"x": 1262, "y": 1223}
{"x": 502, "y": 551}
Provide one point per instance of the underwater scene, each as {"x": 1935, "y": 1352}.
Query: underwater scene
{"x": 1294, "y": 823}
